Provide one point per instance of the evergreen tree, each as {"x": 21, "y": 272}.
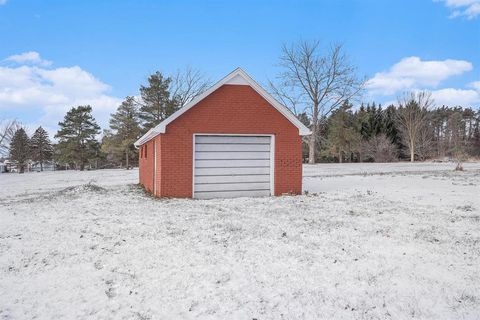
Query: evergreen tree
{"x": 19, "y": 149}
{"x": 124, "y": 131}
{"x": 390, "y": 128}
{"x": 76, "y": 136}
{"x": 361, "y": 118}
{"x": 41, "y": 149}
{"x": 303, "y": 117}
{"x": 156, "y": 104}
{"x": 370, "y": 120}
{"x": 343, "y": 138}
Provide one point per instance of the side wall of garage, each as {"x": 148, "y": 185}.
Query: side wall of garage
{"x": 146, "y": 164}
{"x": 232, "y": 109}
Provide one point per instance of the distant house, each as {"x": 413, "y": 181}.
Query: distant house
{"x": 5, "y": 165}
{"x": 47, "y": 166}
{"x": 233, "y": 140}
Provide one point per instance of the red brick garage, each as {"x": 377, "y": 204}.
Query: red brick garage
{"x": 233, "y": 140}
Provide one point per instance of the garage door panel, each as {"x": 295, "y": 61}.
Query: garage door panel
{"x": 232, "y": 179}
{"x": 232, "y": 166}
{"x": 231, "y": 171}
{"x": 233, "y": 186}
{"x": 232, "y": 194}
{"x": 239, "y": 155}
{"x": 232, "y": 139}
{"x": 231, "y": 163}
{"x": 232, "y": 147}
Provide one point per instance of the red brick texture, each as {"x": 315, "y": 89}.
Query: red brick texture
{"x": 146, "y": 165}
{"x": 232, "y": 109}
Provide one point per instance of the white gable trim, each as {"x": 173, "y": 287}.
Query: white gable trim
{"x": 237, "y": 77}
{"x": 238, "y": 80}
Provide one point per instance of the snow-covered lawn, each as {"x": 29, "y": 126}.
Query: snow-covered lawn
{"x": 368, "y": 241}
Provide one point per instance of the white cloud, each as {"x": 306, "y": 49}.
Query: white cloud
{"x": 475, "y": 85}
{"x": 463, "y": 8}
{"x": 412, "y": 72}
{"x": 34, "y": 89}
{"x": 456, "y": 97}
{"x": 30, "y": 57}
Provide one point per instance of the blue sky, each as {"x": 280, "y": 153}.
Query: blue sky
{"x": 55, "y": 54}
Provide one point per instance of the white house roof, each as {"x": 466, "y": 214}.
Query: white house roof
{"x": 236, "y": 77}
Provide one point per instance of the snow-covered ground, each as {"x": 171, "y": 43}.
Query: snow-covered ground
{"x": 368, "y": 241}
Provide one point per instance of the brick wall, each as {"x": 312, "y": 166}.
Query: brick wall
{"x": 146, "y": 165}
{"x": 230, "y": 109}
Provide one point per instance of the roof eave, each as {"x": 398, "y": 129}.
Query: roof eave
{"x": 146, "y": 137}
{"x": 304, "y": 132}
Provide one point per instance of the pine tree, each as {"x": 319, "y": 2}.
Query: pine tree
{"x": 156, "y": 104}
{"x": 41, "y": 149}
{"x": 124, "y": 130}
{"x": 19, "y": 149}
{"x": 76, "y": 136}
{"x": 370, "y": 120}
{"x": 343, "y": 138}
{"x": 390, "y": 126}
{"x": 362, "y": 119}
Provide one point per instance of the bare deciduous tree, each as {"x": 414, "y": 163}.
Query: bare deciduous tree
{"x": 380, "y": 149}
{"x": 424, "y": 148}
{"x": 456, "y": 127}
{"x": 287, "y": 96}
{"x": 412, "y": 117}
{"x": 7, "y": 130}
{"x": 187, "y": 84}
{"x": 319, "y": 81}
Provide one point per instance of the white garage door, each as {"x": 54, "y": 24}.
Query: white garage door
{"x": 232, "y": 166}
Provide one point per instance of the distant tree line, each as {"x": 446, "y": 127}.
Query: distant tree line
{"x": 373, "y": 133}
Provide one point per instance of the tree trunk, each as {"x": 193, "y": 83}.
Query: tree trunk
{"x": 311, "y": 148}
{"x": 82, "y": 166}
{"x": 412, "y": 152}
{"x": 313, "y": 136}
{"x": 340, "y": 158}
{"x": 41, "y": 166}
{"x": 126, "y": 156}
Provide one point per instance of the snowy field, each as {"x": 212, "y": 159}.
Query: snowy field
{"x": 367, "y": 241}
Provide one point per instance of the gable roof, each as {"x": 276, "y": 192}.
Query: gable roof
{"x": 236, "y": 77}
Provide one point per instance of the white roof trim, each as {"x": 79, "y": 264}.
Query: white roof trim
{"x": 238, "y": 80}
{"x": 236, "y": 77}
